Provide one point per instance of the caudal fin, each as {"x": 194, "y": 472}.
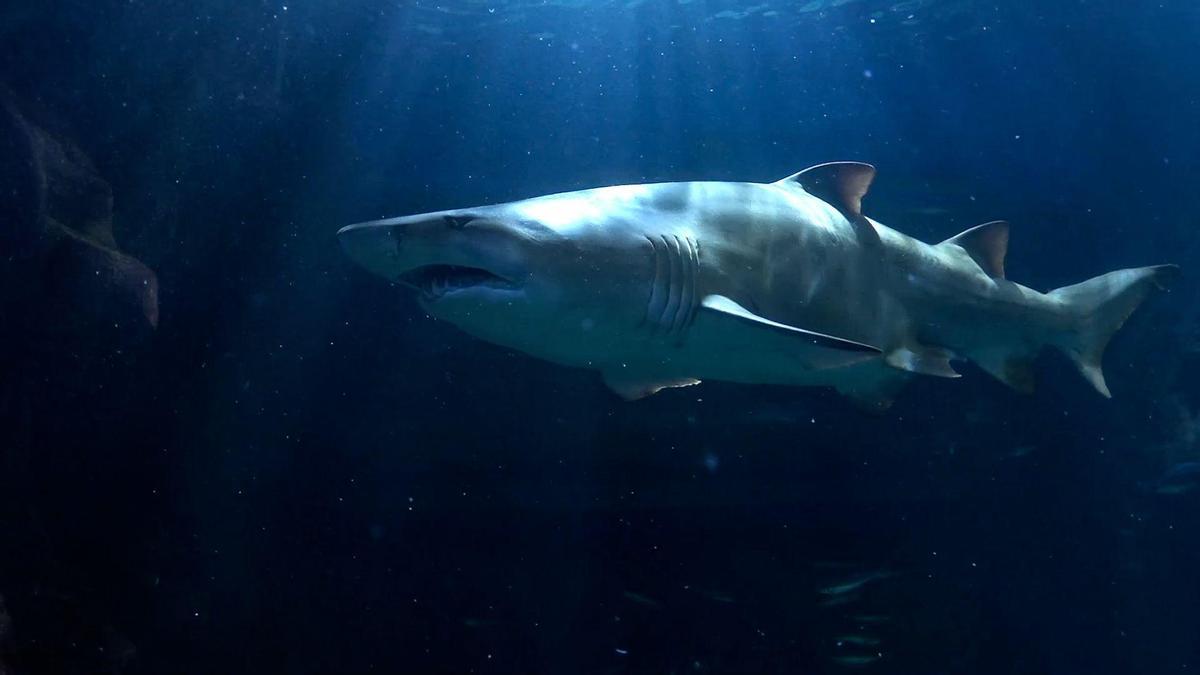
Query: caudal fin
{"x": 1098, "y": 307}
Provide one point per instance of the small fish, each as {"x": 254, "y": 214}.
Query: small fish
{"x": 857, "y": 640}
{"x": 854, "y": 584}
{"x": 871, "y": 618}
{"x": 1177, "y": 480}
{"x": 1171, "y": 489}
{"x": 641, "y": 600}
{"x": 839, "y": 600}
{"x": 856, "y": 660}
{"x": 1021, "y": 451}
{"x": 1182, "y": 471}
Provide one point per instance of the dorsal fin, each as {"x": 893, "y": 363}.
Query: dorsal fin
{"x": 843, "y": 186}
{"x": 986, "y": 244}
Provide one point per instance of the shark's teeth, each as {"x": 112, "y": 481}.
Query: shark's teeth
{"x": 436, "y": 281}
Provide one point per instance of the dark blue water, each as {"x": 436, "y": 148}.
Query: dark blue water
{"x": 297, "y": 471}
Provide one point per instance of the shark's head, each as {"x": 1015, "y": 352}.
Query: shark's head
{"x": 547, "y": 276}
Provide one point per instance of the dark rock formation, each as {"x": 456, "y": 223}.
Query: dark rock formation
{"x": 74, "y": 310}
{"x": 62, "y": 271}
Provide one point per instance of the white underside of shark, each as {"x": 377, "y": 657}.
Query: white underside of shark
{"x": 785, "y": 283}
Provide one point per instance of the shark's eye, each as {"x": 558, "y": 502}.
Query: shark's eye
{"x": 457, "y": 222}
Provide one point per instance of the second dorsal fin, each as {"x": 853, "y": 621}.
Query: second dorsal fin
{"x": 987, "y": 244}
{"x": 843, "y": 186}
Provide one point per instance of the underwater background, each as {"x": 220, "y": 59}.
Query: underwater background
{"x": 225, "y": 449}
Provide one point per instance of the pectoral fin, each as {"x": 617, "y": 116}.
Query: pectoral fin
{"x": 723, "y": 306}
{"x": 735, "y": 334}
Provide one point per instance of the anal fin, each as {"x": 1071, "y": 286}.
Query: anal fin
{"x": 1013, "y": 369}
{"x": 633, "y": 388}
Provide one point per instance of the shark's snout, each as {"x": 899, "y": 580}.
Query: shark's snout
{"x": 373, "y": 245}
{"x": 438, "y": 254}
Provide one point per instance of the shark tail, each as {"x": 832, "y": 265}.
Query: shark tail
{"x": 1097, "y": 308}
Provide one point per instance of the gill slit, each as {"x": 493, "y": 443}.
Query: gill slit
{"x": 671, "y": 306}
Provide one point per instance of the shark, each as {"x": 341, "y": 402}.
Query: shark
{"x": 665, "y": 285}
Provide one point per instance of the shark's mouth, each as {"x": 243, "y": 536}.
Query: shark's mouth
{"x": 436, "y": 281}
